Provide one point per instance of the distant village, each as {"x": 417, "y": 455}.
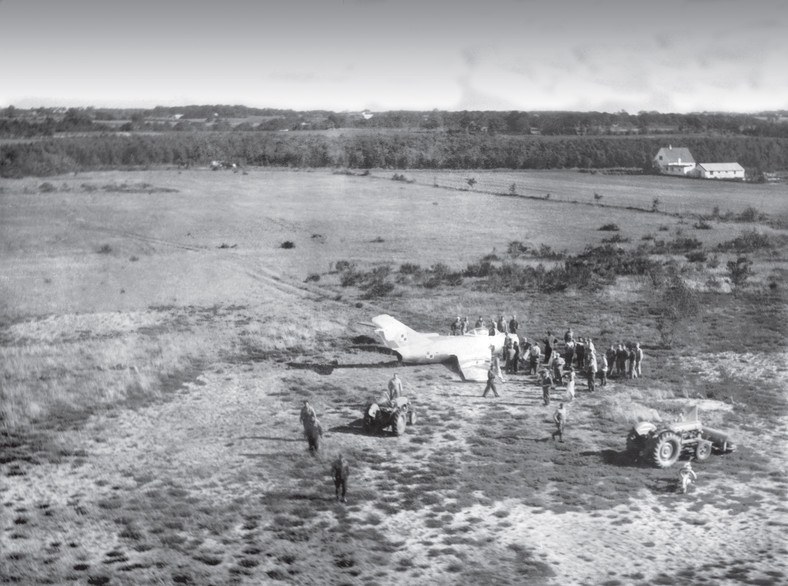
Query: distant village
{"x": 680, "y": 162}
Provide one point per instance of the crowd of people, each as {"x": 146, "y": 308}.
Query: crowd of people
{"x": 556, "y": 362}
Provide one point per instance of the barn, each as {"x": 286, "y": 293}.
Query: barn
{"x": 720, "y": 171}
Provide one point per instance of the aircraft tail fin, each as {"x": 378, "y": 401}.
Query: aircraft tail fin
{"x": 394, "y": 334}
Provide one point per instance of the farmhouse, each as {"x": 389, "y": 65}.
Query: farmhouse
{"x": 720, "y": 171}
{"x": 676, "y": 161}
{"x": 680, "y": 162}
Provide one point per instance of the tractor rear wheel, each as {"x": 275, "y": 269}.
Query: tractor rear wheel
{"x": 666, "y": 450}
{"x": 398, "y": 424}
{"x": 703, "y": 450}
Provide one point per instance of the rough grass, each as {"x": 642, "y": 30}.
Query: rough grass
{"x": 216, "y": 485}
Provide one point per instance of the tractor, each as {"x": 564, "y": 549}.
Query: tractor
{"x": 394, "y": 414}
{"x": 663, "y": 445}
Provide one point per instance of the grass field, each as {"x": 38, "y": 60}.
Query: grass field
{"x": 151, "y": 329}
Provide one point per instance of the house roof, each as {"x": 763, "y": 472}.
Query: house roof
{"x": 672, "y": 155}
{"x": 721, "y": 166}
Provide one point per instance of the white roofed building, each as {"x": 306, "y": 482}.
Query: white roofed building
{"x": 720, "y": 171}
{"x": 674, "y": 161}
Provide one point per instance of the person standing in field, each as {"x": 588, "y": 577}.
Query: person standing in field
{"x": 631, "y": 357}
{"x": 480, "y": 322}
{"x": 556, "y": 365}
{"x": 559, "y": 417}
{"x": 570, "y": 386}
{"x": 569, "y": 352}
{"x": 395, "y": 388}
{"x": 580, "y": 354}
{"x": 591, "y": 368}
{"x": 502, "y": 325}
{"x": 312, "y": 428}
{"x": 533, "y": 358}
{"x": 603, "y": 369}
{"x": 546, "y": 382}
{"x": 464, "y": 329}
{"x": 516, "y": 357}
{"x": 340, "y": 470}
{"x": 513, "y": 324}
{"x": 638, "y": 359}
{"x": 621, "y": 360}
{"x": 548, "y": 347}
{"x": 611, "y": 358}
{"x": 491, "y": 376}
{"x": 456, "y": 326}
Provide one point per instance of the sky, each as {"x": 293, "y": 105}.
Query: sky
{"x": 351, "y": 55}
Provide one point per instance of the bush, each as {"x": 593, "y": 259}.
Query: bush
{"x": 748, "y": 241}
{"x": 47, "y": 187}
{"x": 677, "y": 305}
{"x": 105, "y": 249}
{"x": 702, "y": 225}
{"x": 312, "y": 277}
{"x": 739, "y": 270}
{"x": 516, "y": 248}
{"x": 343, "y": 265}
{"x": 409, "y": 269}
{"x": 287, "y": 244}
{"x": 615, "y": 239}
{"x": 696, "y": 256}
{"x": 609, "y": 228}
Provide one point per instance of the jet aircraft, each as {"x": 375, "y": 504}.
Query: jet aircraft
{"x": 470, "y": 352}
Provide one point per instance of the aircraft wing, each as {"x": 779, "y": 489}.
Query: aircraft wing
{"x": 473, "y": 367}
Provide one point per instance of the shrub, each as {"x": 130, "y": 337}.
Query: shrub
{"x": 750, "y": 214}
{"x": 377, "y": 288}
{"x": 677, "y": 305}
{"x": 287, "y": 244}
{"x": 312, "y": 277}
{"x": 702, "y": 224}
{"x": 409, "y": 268}
{"x": 343, "y": 265}
{"x": 105, "y": 249}
{"x": 748, "y": 241}
{"x": 609, "y": 228}
{"x": 615, "y": 239}
{"x": 516, "y": 248}
{"x": 471, "y": 181}
{"x": 739, "y": 270}
{"x": 696, "y": 256}
{"x": 47, "y": 187}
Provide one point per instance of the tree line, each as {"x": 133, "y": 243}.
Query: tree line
{"x": 15, "y": 123}
{"x": 375, "y": 149}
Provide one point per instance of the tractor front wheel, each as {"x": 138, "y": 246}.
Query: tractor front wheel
{"x": 703, "y": 450}
{"x": 398, "y": 424}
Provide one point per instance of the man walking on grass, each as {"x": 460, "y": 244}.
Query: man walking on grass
{"x": 491, "y": 376}
{"x": 341, "y": 471}
{"x": 559, "y": 417}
